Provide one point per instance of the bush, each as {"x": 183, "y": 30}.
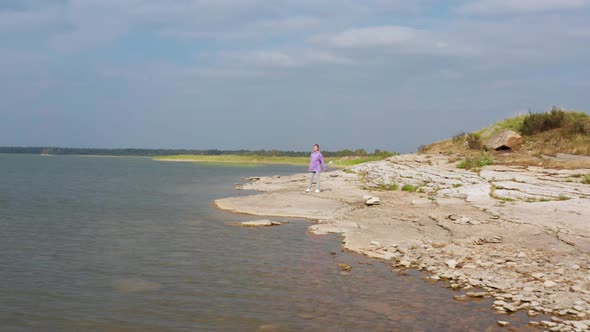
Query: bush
{"x": 586, "y": 179}
{"x": 534, "y": 123}
{"x": 460, "y": 137}
{"x": 579, "y": 126}
{"x": 474, "y": 141}
{"x": 476, "y": 161}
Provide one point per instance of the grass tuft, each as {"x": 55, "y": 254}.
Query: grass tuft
{"x": 409, "y": 188}
{"x": 476, "y": 161}
{"x": 387, "y": 187}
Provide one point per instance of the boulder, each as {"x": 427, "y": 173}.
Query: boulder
{"x": 505, "y": 139}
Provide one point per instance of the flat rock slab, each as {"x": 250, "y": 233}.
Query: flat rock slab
{"x": 282, "y": 204}
{"x": 260, "y": 223}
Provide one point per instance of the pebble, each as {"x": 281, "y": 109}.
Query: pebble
{"x": 503, "y": 323}
{"x": 549, "y": 284}
{"x": 451, "y": 263}
{"x": 344, "y": 267}
{"x": 460, "y": 297}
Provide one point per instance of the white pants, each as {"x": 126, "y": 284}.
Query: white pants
{"x": 311, "y": 175}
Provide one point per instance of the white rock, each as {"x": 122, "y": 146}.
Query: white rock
{"x": 580, "y": 326}
{"x": 373, "y": 201}
{"x": 257, "y": 223}
{"x": 451, "y": 263}
{"x": 376, "y": 243}
{"x": 549, "y": 284}
{"x": 547, "y": 323}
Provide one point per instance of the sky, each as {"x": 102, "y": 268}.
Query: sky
{"x": 283, "y": 74}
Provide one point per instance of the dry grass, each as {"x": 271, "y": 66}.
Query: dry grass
{"x": 546, "y": 138}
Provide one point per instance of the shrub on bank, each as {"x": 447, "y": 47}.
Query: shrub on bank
{"x": 571, "y": 123}
{"x": 476, "y": 161}
{"x": 474, "y": 141}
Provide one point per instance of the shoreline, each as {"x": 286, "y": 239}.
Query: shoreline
{"x": 517, "y": 234}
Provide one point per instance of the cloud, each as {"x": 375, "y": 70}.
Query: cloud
{"x": 29, "y": 20}
{"x": 499, "y": 7}
{"x": 288, "y": 59}
{"x": 371, "y": 37}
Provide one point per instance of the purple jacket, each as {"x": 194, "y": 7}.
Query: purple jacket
{"x": 316, "y": 162}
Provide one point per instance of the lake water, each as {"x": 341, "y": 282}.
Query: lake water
{"x": 131, "y": 244}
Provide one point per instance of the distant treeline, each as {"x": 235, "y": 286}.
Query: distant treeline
{"x": 168, "y": 152}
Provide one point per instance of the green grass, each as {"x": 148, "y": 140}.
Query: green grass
{"x": 255, "y": 159}
{"x": 563, "y": 198}
{"x": 514, "y": 124}
{"x": 351, "y": 161}
{"x": 586, "y": 179}
{"x": 387, "y": 187}
{"x": 476, "y": 161}
{"x": 409, "y": 188}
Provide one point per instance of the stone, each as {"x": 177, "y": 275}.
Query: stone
{"x": 258, "y": 223}
{"x": 344, "y": 267}
{"x": 476, "y": 294}
{"x": 373, "y": 201}
{"x": 509, "y": 307}
{"x": 549, "y": 284}
{"x": 451, "y": 263}
{"x": 503, "y": 323}
{"x": 376, "y": 243}
{"x": 580, "y": 326}
{"x": 503, "y": 140}
{"x": 546, "y": 323}
{"x": 460, "y": 297}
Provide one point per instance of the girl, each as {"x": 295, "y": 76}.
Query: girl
{"x": 316, "y": 166}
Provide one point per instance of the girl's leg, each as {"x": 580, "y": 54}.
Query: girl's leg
{"x": 318, "y": 185}
{"x": 311, "y": 174}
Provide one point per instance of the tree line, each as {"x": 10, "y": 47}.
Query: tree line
{"x": 167, "y": 152}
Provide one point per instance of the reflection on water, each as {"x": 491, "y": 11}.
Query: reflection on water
{"x": 124, "y": 244}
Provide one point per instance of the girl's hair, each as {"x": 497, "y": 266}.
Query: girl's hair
{"x": 317, "y": 146}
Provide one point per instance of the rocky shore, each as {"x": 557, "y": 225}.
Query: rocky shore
{"x": 520, "y": 235}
